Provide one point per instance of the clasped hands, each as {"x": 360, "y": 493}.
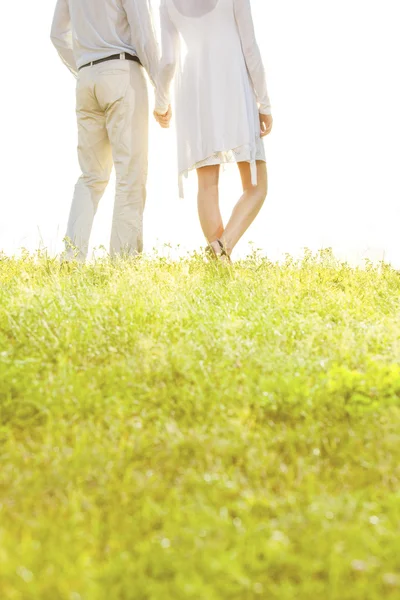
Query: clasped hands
{"x": 163, "y": 119}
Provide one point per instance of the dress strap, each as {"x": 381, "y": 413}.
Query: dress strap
{"x": 253, "y": 170}
{"x": 180, "y": 186}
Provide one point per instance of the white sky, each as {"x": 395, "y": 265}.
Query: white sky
{"x": 333, "y": 157}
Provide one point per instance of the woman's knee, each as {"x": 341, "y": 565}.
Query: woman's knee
{"x": 262, "y": 190}
{"x": 262, "y": 181}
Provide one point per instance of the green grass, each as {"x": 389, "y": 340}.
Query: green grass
{"x": 171, "y": 430}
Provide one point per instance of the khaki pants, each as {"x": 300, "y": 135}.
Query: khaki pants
{"x": 112, "y": 112}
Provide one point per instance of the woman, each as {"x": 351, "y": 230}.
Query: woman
{"x": 222, "y": 107}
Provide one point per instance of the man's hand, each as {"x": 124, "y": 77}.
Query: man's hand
{"x": 164, "y": 120}
{"x": 266, "y": 122}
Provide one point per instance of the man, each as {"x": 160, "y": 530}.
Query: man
{"x": 105, "y": 43}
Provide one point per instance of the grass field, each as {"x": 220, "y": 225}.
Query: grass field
{"x": 171, "y": 430}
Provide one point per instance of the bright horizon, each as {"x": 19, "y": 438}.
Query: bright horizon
{"x": 333, "y": 156}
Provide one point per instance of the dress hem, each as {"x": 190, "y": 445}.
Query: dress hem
{"x": 246, "y": 153}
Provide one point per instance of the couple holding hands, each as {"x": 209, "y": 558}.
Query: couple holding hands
{"x": 222, "y": 109}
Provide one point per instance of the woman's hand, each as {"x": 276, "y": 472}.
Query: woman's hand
{"x": 266, "y": 123}
{"x": 165, "y": 119}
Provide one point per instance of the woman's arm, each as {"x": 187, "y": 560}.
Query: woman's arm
{"x": 252, "y": 54}
{"x": 61, "y": 35}
{"x": 170, "y": 54}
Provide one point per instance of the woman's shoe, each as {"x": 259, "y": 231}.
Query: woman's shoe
{"x": 222, "y": 255}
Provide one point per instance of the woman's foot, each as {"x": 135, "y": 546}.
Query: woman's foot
{"x": 217, "y": 250}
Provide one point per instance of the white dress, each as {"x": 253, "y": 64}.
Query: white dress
{"x": 220, "y": 83}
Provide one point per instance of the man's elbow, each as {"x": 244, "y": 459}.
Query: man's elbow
{"x": 54, "y": 38}
{"x": 56, "y": 35}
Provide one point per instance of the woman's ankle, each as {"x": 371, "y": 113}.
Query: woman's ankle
{"x": 227, "y": 245}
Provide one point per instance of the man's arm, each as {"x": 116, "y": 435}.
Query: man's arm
{"x": 61, "y": 35}
{"x": 169, "y": 60}
{"x": 144, "y": 39}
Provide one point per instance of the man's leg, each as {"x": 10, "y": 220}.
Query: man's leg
{"x": 127, "y": 126}
{"x": 95, "y": 159}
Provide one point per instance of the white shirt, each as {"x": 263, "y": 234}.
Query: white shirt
{"x": 87, "y": 30}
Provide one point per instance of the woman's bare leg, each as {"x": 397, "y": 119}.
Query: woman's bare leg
{"x": 208, "y": 203}
{"x": 248, "y": 206}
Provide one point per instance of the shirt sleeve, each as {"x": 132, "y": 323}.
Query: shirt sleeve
{"x": 251, "y": 51}
{"x": 170, "y": 54}
{"x": 61, "y": 35}
{"x": 144, "y": 39}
